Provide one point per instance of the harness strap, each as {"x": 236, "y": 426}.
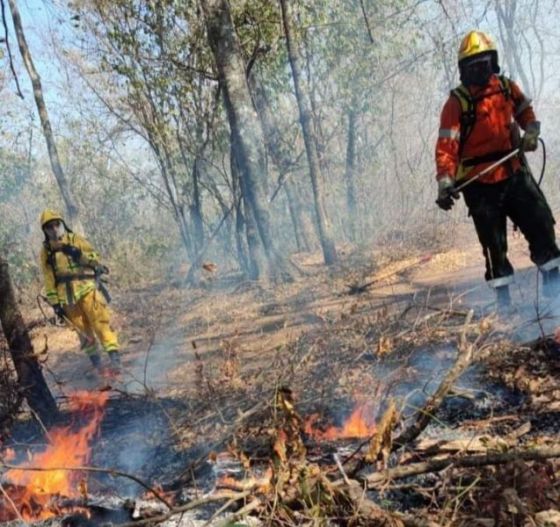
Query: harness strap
{"x": 468, "y": 109}
{"x": 64, "y": 279}
{"x": 486, "y": 158}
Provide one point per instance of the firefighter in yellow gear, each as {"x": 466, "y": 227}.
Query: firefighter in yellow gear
{"x": 71, "y": 269}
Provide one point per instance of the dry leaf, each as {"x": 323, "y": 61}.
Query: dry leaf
{"x": 550, "y": 518}
{"x": 210, "y": 267}
{"x": 384, "y": 345}
{"x": 279, "y": 446}
{"x": 381, "y": 442}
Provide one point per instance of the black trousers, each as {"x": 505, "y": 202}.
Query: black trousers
{"x": 520, "y": 199}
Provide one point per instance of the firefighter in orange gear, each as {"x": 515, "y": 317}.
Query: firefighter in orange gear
{"x": 71, "y": 269}
{"x": 480, "y": 125}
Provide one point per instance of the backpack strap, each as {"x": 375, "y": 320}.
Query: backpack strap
{"x": 505, "y": 86}
{"x": 51, "y": 259}
{"x": 468, "y": 114}
{"x": 51, "y": 254}
{"x": 468, "y": 107}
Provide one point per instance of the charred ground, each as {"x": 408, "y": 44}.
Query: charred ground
{"x": 238, "y": 378}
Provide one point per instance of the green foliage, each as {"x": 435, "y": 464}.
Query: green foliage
{"x": 14, "y": 172}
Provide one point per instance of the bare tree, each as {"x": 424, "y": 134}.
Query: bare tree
{"x": 244, "y": 124}
{"x": 306, "y": 118}
{"x": 506, "y": 12}
{"x": 283, "y": 162}
{"x": 350, "y": 175}
{"x": 65, "y": 190}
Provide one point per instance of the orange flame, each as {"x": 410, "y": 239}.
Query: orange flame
{"x": 69, "y": 448}
{"x": 250, "y": 481}
{"x": 359, "y": 424}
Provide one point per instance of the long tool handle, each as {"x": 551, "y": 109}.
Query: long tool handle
{"x": 487, "y": 169}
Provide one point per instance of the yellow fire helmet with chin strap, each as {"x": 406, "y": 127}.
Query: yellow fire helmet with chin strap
{"x": 474, "y": 43}
{"x": 50, "y": 215}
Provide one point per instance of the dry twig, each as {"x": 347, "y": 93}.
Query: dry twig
{"x": 425, "y": 415}
{"x": 437, "y": 465}
{"x": 110, "y": 471}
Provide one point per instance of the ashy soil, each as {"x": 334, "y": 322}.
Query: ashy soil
{"x": 212, "y": 358}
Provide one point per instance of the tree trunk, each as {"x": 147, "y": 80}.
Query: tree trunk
{"x": 306, "y": 119}
{"x": 296, "y": 214}
{"x": 244, "y": 126}
{"x": 281, "y": 160}
{"x": 351, "y": 208}
{"x": 245, "y": 223}
{"x": 196, "y": 208}
{"x": 67, "y": 196}
{"x": 30, "y": 377}
{"x": 165, "y": 163}
{"x": 506, "y": 20}
{"x": 242, "y": 256}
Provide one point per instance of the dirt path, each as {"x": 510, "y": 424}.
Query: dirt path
{"x": 210, "y": 360}
{"x": 162, "y": 330}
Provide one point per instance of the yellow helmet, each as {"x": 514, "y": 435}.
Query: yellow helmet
{"x": 50, "y": 215}
{"x": 474, "y": 43}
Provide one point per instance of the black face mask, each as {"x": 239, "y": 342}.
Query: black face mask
{"x": 477, "y": 73}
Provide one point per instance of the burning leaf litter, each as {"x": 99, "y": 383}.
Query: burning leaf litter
{"x": 51, "y": 473}
{"x": 285, "y": 455}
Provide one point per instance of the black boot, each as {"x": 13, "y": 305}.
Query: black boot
{"x": 551, "y": 283}
{"x": 95, "y": 361}
{"x": 503, "y": 298}
{"x": 115, "y": 360}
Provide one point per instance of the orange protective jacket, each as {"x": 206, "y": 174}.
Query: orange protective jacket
{"x": 491, "y": 133}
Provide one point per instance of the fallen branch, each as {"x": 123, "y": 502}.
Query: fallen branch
{"x": 233, "y": 498}
{"x": 426, "y": 414}
{"x": 412, "y": 521}
{"x": 12, "y": 504}
{"x": 437, "y": 465}
{"x": 231, "y": 520}
{"x": 187, "y": 475}
{"x": 110, "y": 471}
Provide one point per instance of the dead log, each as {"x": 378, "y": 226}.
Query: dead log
{"x": 437, "y": 465}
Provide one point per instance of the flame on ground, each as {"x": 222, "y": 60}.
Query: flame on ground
{"x": 250, "y": 481}
{"x": 360, "y": 424}
{"x": 34, "y": 493}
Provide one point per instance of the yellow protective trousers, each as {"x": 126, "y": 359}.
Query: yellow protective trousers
{"x": 90, "y": 317}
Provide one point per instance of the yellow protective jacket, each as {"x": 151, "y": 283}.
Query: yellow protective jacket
{"x": 67, "y": 281}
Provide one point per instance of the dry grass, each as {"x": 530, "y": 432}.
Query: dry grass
{"x": 227, "y": 349}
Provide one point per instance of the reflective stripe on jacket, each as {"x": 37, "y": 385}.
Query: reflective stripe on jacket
{"x": 62, "y": 284}
{"x": 491, "y": 133}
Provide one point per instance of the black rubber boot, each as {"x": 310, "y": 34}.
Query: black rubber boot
{"x": 115, "y": 360}
{"x": 95, "y": 360}
{"x": 551, "y": 283}
{"x": 503, "y": 298}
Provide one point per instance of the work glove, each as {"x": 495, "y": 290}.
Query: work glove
{"x": 70, "y": 250}
{"x": 59, "y": 311}
{"x": 446, "y": 193}
{"x": 530, "y": 139}
{"x": 100, "y": 269}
